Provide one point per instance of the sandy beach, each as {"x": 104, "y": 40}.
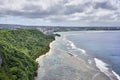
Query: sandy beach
{"x": 48, "y": 53}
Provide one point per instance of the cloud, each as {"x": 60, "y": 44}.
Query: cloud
{"x": 62, "y": 10}
{"x": 105, "y": 5}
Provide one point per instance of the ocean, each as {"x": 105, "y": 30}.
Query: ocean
{"x": 82, "y": 55}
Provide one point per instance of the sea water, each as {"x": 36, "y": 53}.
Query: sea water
{"x": 104, "y": 45}
{"x": 82, "y": 55}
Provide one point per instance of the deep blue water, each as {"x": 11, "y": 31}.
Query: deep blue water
{"x": 103, "y": 45}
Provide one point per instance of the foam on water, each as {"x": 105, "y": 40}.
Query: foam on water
{"x": 101, "y": 65}
{"x": 118, "y": 77}
{"x": 89, "y": 61}
{"x": 74, "y": 47}
{"x": 104, "y": 68}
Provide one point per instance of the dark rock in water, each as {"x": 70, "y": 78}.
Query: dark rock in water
{"x": 70, "y": 54}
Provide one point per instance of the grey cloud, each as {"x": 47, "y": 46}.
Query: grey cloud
{"x": 36, "y": 11}
{"x": 104, "y": 5}
{"x": 87, "y": 17}
{"x": 107, "y": 17}
{"x": 35, "y": 14}
{"x": 1, "y": 2}
{"x": 73, "y": 9}
{"x": 60, "y": 9}
{"x": 31, "y": 7}
{"x": 31, "y": 11}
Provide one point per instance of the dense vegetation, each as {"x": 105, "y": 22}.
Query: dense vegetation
{"x": 19, "y": 49}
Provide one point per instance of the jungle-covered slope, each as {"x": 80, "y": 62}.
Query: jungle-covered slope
{"x": 19, "y": 49}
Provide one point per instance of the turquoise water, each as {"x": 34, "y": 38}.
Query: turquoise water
{"x": 103, "y": 45}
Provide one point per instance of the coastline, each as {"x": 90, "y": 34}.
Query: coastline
{"x": 42, "y": 56}
{"x": 80, "y": 65}
{"x": 102, "y": 66}
{"x": 46, "y": 54}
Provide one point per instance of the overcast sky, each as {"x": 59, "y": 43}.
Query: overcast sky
{"x": 60, "y": 12}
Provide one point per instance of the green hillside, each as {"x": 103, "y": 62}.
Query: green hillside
{"x": 19, "y": 49}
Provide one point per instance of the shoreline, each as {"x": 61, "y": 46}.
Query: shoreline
{"x": 41, "y": 57}
{"x": 99, "y": 63}
{"x": 46, "y": 54}
{"x": 102, "y": 66}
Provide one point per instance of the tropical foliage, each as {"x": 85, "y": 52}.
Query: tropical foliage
{"x": 19, "y": 49}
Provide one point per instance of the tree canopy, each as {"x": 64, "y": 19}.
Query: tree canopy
{"x": 19, "y": 49}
